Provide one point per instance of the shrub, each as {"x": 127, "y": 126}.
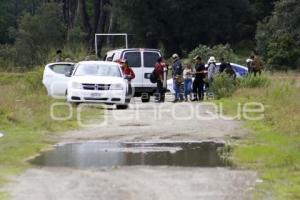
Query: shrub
{"x": 7, "y": 56}
{"x": 222, "y": 86}
{"x": 252, "y": 81}
{"x": 217, "y": 51}
{"x": 283, "y": 52}
{"x": 34, "y": 79}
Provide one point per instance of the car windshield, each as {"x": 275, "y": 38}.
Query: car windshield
{"x": 98, "y": 70}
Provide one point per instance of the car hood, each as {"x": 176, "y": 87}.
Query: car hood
{"x": 97, "y": 79}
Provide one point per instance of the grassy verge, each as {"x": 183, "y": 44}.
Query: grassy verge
{"x": 26, "y": 122}
{"x": 273, "y": 149}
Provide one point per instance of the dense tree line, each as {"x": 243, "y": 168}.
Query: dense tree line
{"x": 30, "y": 29}
{"x": 278, "y": 36}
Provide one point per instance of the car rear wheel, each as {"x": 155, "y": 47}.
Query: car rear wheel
{"x": 122, "y": 107}
{"x": 145, "y": 97}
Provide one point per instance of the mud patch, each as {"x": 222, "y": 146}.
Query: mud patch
{"x": 107, "y": 154}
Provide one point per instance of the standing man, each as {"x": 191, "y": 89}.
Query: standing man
{"x": 257, "y": 64}
{"x": 128, "y": 74}
{"x": 177, "y": 71}
{"x": 249, "y": 64}
{"x": 198, "y": 84}
{"x": 58, "y": 57}
{"x": 160, "y": 69}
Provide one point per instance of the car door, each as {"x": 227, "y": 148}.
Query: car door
{"x": 149, "y": 59}
{"x": 55, "y": 79}
{"x": 135, "y": 62}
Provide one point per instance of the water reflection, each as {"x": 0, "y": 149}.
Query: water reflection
{"x": 99, "y": 154}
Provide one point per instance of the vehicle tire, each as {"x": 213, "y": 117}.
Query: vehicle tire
{"x": 75, "y": 104}
{"x": 145, "y": 99}
{"x": 122, "y": 107}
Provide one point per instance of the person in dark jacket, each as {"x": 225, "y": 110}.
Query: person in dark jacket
{"x": 198, "y": 84}
{"x": 160, "y": 69}
{"x": 249, "y": 64}
{"x": 223, "y": 65}
{"x": 177, "y": 74}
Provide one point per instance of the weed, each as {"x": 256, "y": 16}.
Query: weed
{"x": 222, "y": 86}
{"x": 25, "y": 120}
{"x": 273, "y": 148}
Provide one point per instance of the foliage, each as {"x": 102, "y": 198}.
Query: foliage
{"x": 283, "y": 52}
{"x": 7, "y": 56}
{"x": 252, "y": 81}
{"x": 218, "y": 51}
{"x": 26, "y": 122}
{"x": 32, "y": 47}
{"x": 273, "y": 148}
{"x": 222, "y": 86}
{"x": 34, "y": 28}
{"x": 180, "y": 25}
{"x": 278, "y": 36}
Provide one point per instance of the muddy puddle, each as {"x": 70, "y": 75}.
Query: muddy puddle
{"x": 107, "y": 154}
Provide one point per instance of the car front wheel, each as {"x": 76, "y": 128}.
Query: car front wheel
{"x": 122, "y": 107}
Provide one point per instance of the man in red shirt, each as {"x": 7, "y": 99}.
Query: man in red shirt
{"x": 160, "y": 68}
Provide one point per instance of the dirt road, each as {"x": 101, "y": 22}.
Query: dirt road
{"x": 144, "y": 122}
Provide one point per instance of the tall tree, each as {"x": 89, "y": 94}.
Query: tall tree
{"x": 278, "y": 33}
{"x": 93, "y": 23}
{"x": 182, "y": 25}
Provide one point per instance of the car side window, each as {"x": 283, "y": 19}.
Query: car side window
{"x": 133, "y": 58}
{"x": 150, "y": 58}
{"x": 62, "y": 69}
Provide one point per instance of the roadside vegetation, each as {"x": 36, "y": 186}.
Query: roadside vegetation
{"x": 272, "y": 148}
{"x": 26, "y": 122}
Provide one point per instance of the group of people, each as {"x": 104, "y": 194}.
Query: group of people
{"x": 185, "y": 88}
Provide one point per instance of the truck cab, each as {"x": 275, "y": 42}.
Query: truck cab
{"x": 142, "y": 61}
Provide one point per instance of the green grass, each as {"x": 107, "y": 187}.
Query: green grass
{"x": 273, "y": 149}
{"x": 26, "y": 122}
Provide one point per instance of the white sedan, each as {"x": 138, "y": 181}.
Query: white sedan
{"x": 98, "y": 82}
{"x": 55, "y": 79}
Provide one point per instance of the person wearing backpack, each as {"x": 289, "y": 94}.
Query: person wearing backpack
{"x": 159, "y": 70}
{"x": 223, "y": 65}
{"x": 177, "y": 78}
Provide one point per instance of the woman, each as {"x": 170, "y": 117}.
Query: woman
{"x": 128, "y": 74}
{"x": 187, "y": 76}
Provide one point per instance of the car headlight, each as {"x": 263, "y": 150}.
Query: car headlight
{"x": 76, "y": 85}
{"x": 116, "y": 87}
